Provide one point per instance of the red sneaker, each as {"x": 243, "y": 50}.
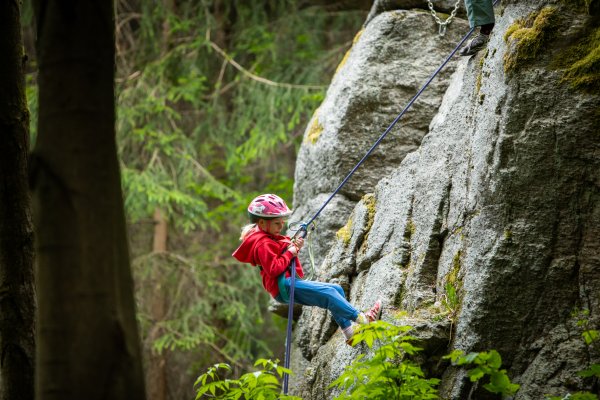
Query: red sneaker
{"x": 375, "y": 312}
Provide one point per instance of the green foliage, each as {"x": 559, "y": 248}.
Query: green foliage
{"x": 487, "y": 363}
{"x": 594, "y": 370}
{"x": 262, "y": 384}
{"x": 451, "y": 302}
{"x": 388, "y": 374}
{"x": 590, "y": 336}
{"x": 213, "y": 101}
{"x": 219, "y": 307}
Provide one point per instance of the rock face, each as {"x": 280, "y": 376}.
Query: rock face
{"x": 500, "y": 199}
{"x": 389, "y": 61}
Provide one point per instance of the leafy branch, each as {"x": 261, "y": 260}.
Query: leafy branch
{"x": 487, "y": 363}
{"x": 262, "y": 384}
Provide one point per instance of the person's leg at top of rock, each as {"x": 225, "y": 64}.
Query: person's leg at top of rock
{"x": 481, "y": 14}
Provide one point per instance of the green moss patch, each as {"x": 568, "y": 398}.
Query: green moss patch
{"x": 526, "y": 37}
{"x": 452, "y": 277}
{"x": 582, "y": 63}
{"x": 345, "y": 233}
{"x": 369, "y": 202}
{"x": 479, "y": 79}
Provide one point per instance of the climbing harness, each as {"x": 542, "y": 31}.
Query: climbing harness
{"x": 303, "y": 226}
{"x": 443, "y": 24}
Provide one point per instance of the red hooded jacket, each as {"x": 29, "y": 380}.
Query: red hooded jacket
{"x": 267, "y": 251}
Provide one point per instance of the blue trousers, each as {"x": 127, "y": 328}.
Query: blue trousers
{"x": 480, "y": 12}
{"x": 323, "y": 295}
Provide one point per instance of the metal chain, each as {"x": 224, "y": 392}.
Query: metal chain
{"x": 443, "y": 24}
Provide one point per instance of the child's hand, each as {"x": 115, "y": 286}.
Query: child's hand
{"x": 299, "y": 242}
{"x": 296, "y": 245}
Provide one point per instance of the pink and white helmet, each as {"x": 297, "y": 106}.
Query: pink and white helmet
{"x": 269, "y": 206}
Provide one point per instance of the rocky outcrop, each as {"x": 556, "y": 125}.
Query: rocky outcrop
{"x": 501, "y": 200}
{"x": 389, "y": 61}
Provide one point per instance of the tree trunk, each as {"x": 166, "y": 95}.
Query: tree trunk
{"x": 156, "y": 371}
{"x": 88, "y": 345}
{"x": 17, "y": 298}
{"x": 160, "y": 232}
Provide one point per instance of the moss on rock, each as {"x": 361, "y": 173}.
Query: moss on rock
{"x": 582, "y": 63}
{"x": 452, "y": 276}
{"x": 314, "y": 131}
{"x": 479, "y": 78}
{"x": 345, "y": 233}
{"x": 369, "y": 202}
{"x": 527, "y": 36}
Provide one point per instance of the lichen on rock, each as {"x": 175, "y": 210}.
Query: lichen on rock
{"x": 347, "y": 54}
{"x": 527, "y": 36}
{"x": 582, "y": 63}
{"x": 314, "y": 131}
{"x": 345, "y": 232}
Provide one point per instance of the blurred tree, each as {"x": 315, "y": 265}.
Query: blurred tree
{"x": 17, "y": 303}
{"x": 88, "y": 345}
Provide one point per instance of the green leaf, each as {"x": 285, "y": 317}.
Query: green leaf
{"x": 494, "y": 360}
{"x": 590, "y": 336}
{"x": 475, "y": 374}
{"x": 593, "y": 370}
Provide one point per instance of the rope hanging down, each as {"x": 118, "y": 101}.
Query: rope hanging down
{"x": 302, "y": 231}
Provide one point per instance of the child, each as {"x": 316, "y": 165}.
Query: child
{"x": 264, "y": 246}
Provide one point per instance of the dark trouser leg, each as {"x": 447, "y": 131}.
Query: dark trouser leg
{"x": 480, "y": 12}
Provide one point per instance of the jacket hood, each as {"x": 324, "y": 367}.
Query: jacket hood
{"x": 245, "y": 252}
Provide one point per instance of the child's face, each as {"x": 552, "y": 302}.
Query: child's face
{"x": 272, "y": 226}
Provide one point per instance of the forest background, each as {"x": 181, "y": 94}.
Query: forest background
{"x": 212, "y": 101}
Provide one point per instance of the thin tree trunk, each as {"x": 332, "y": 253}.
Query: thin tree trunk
{"x": 88, "y": 345}
{"x": 160, "y": 232}
{"x": 156, "y": 371}
{"x": 17, "y": 297}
